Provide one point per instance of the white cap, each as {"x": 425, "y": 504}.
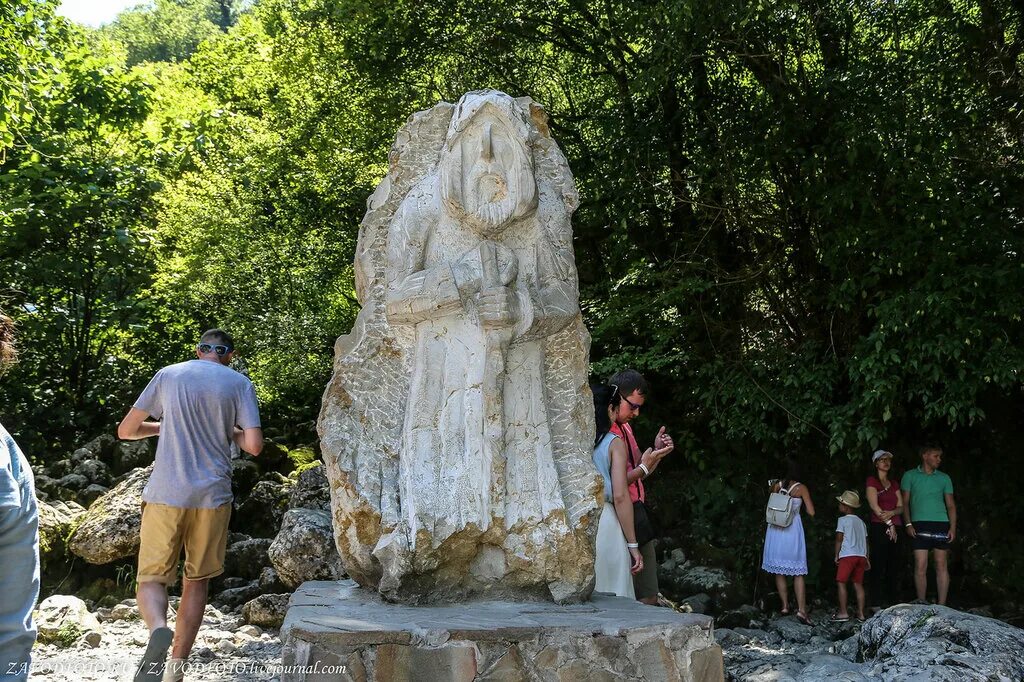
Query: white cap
{"x": 879, "y": 454}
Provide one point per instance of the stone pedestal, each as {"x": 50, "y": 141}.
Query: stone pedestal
{"x": 339, "y": 631}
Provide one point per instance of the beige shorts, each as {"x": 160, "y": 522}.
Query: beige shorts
{"x": 165, "y": 530}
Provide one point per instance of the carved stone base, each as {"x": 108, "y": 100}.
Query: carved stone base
{"x": 338, "y": 631}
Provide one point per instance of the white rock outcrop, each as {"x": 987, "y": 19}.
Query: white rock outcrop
{"x": 304, "y": 548}
{"x": 109, "y": 530}
{"x": 458, "y": 425}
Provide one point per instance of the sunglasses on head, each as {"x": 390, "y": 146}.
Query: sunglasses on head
{"x": 633, "y": 406}
{"x": 218, "y": 349}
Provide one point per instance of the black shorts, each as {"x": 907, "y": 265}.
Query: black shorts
{"x": 931, "y": 535}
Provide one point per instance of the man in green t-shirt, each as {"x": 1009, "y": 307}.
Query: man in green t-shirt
{"x": 928, "y": 496}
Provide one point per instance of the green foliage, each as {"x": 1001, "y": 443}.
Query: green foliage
{"x": 73, "y": 199}
{"x": 169, "y": 30}
{"x": 27, "y": 28}
{"x": 800, "y": 220}
{"x": 302, "y": 458}
{"x": 68, "y": 634}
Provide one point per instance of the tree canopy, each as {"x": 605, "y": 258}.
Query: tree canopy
{"x": 801, "y": 219}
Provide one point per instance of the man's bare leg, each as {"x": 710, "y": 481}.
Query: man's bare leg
{"x": 921, "y": 572}
{"x": 942, "y": 575}
{"x": 151, "y": 598}
{"x": 190, "y": 616}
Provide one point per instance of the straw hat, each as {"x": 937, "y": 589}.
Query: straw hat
{"x": 850, "y": 498}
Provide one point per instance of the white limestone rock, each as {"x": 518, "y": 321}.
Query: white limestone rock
{"x": 64, "y": 618}
{"x": 303, "y": 549}
{"x": 109, "y": 530}
{"x": 457, "y": 428}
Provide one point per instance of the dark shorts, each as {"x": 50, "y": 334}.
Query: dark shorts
{"x": 645, "y": 583}
{"x": 931, "y": 535}
{"x": 851, "y": 568}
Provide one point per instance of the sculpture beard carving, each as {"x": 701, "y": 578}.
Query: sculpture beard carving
{"x": 499, "y": 187}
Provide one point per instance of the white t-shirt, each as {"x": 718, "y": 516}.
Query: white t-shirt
{"x": 855, "y": 536}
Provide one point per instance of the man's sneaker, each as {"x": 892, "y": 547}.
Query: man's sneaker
{"x": 151, "y": 668}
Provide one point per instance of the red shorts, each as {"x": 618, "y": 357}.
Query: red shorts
{"x": 851, "y": 567}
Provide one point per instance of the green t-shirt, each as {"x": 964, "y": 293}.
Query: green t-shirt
{"x": 927, "y": 494}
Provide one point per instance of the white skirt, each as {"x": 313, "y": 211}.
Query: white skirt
{"x": 611, "y": 567}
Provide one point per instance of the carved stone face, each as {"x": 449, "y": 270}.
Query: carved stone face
{"x": 486, "y": 178}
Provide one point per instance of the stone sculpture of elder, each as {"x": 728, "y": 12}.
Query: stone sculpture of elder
{"x": 478, "y": 478}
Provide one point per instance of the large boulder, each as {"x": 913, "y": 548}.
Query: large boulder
{"x": 60, "y": 468}
{"x": 55, "y": 522}
{"x": 312, "y": 490}
{"x": 266, "y": 610}
{"x": 304, "y": 548}
{"x": 100, "y": 447}
{"x": 72, "y": 483}
{"x": 244, "y": 475}
{"x": 92, "y": 493}
{"x": 246, "y": 558}
{"x": 687, "y": 578}
{"x": 939, "y": 643}
{"x": 109, "y": 530}
{"x": 133, "y": 454}
{"x": 237, "y": 595}
{"x": 63, "y": 618}
{"x": 94, "y": 471}
{"x": 260, "y": 514}
{"x": 905, "y": 642}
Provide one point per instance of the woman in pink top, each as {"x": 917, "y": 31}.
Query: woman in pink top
{"x": 884, "y": 532}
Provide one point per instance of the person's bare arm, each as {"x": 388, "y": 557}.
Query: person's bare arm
{"x": 907, "y": 523}
{"x": 805, "y": 495}
{"x": 650, "y": 459}
{"x": 951, "y": 510}
{"x": 250, "y": 440}
{"x": 872, "y": 494}
{"x": 623, "y": 503}
{"x": 839, "y": 544}
{"x": 135, "y": 427}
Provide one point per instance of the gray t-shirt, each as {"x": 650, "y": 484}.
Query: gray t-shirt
{"x": 198, "y": 403}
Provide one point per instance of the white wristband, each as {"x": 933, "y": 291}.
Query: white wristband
{"x": 632, "y": 545}
{"x": 647, "y": 472}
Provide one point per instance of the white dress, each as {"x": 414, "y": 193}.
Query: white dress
{"x": 785, "y": 550}
{"x": 611, "y": 567}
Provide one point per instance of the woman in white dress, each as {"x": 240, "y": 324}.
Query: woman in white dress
{"x": 618, "y": 555}
{"x": 785, "y": 549}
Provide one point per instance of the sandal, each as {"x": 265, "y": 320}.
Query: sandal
{"x": 802, "y": 617}
{"x": 836, "y": 618}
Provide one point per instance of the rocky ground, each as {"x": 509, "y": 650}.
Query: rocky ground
{"x": 114, "y": 639}
{"x": 904, "y": 642}
{"x": 281, "y": 536}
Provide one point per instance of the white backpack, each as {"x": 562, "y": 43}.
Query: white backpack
{"x": 780, "y": 509}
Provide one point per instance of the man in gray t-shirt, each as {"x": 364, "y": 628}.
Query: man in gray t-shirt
{"x": 201, "y": 406}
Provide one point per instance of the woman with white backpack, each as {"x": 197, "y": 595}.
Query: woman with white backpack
{"x": 785, "y": 550}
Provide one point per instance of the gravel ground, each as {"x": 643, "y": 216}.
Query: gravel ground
{"x": 226, "y": 649}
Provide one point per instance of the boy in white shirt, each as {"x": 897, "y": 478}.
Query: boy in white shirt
{"x": 851, "y": 554}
